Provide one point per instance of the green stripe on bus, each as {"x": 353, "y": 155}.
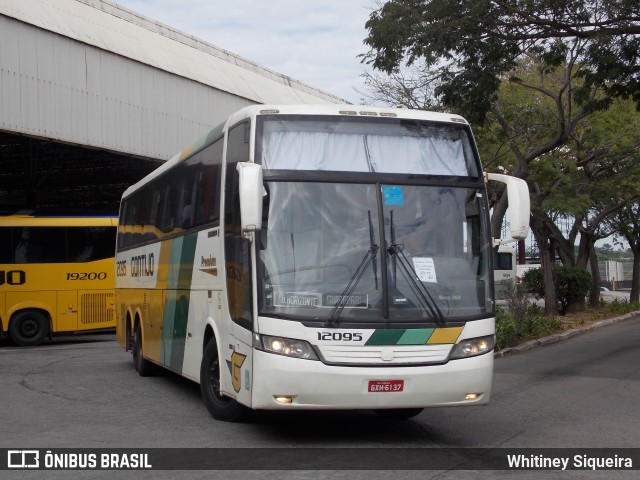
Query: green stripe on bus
{"x": 385, "y": 337}
{"x": 176, "y": 311}
{"x": 413, "y": 336}
{"x": 419, "y": 336}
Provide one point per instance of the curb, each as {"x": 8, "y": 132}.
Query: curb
{"x": 559, "y": 337}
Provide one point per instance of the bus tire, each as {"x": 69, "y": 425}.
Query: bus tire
{"x": 220, "y": 407}
{"x": 29, "y": 328}
{"x": 143, "y": 366}
{"x": 398, "y": 413}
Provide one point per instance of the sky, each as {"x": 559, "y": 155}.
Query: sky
{"x": 314, "y": 41}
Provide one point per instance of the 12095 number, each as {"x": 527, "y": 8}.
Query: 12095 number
{"x": 87, "y": 276}
{"x": 340, "y": 336}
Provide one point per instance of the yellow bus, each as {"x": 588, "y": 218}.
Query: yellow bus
{"x": 317, "y": 257}
{"x": 56, "y": 274}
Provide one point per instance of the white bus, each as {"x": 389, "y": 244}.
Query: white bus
{"x": 504, "y": 269}
{"x": 316, "y": 257}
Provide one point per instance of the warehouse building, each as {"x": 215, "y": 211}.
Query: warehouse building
{"x": 94, "y": 96}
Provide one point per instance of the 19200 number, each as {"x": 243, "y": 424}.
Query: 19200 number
{"x": 87, "y": 276}
{"x": 340, "y": 336}
{"x": 13, "y": 277}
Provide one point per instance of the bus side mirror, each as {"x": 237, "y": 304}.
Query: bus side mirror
{"x": 251, "y": 189}
{"x": 519, "y": 206}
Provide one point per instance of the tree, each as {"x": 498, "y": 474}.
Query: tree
{"x": 475, "y": 44}
{"x": 570, "y": 58}
{"x": 586, "y": 181}
{"x": 410, "y": 87}
{"x": 627, "y": 222}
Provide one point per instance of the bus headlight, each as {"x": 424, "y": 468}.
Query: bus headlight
{"x": 289, "y": 347}
{"x": 473, "y": 347}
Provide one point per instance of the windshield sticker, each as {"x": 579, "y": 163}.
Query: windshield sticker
{"x": 392, "y": 195}
{"x": 425, "y": 269}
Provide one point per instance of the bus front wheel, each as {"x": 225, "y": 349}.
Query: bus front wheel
{"x": 219, "y": 406}
{"x": 29, "y": 328}
{"x": 143, "y": 366}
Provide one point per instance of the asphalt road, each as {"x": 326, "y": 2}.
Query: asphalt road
{"x": 82, "y": 392}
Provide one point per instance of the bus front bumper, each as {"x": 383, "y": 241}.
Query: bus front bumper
{"x": 283, "y": 383}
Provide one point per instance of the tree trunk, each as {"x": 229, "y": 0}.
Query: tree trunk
{"x": 547, "y": 264}
{"x": 549, "y": 279}
{"x": 584, "y": 249}
{"x": 594, "y": 295}
{"x": 635, "y": 282}
{"x": 497, "y": 215}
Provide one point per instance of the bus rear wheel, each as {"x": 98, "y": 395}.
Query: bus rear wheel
{"x": 143, "y": 366}
{"x": 219, "y": 406}
{"x": 29, "y": 328}
{"x": 398, "y": 413}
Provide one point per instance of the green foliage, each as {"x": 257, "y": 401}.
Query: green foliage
{"x": 511, "y": 328}
{"x": 475, "y": 44}
{"x": 533, "y": 282}
{"x": 572, "y": 286}
{"x": 620, "y": 307}
{"x": 507, "y": 329}
{"x": 521, "y": 319}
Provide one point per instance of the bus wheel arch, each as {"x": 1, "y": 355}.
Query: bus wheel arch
{"x": 143, "y": 366}
{"x": 29, "y": 327}
{"x": 219, "y": 406}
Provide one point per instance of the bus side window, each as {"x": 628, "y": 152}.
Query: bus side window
{"x": 168, "y": 209}
{"x": 103, "y": 241}
{"x": 40, "y": 245}
{"x": 209, "y": 188}
{"x": 80, "y": 244}
{"x": 238, "y": 257}
{"x": 6, "y": 248}
{"x": 151, "y": 227}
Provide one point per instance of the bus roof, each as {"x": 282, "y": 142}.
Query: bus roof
{"x": 345, "y": 110}
{"x": 329, "y": 109}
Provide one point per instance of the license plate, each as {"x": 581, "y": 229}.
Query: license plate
{"x": 386, "y": 385}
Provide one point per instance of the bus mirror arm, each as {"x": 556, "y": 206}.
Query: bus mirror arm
{"x": 519, "y": 205}
{"x": 251, "y": 192}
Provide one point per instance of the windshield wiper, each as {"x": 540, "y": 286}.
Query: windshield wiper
{"x": 370, "y": 256}
{"x": 419, "y": 289}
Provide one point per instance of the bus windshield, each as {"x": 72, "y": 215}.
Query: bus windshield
{"x": 329, "y": 244}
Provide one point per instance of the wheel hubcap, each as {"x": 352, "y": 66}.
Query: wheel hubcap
{"x": 29, "y": 328}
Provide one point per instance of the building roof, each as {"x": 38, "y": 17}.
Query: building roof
{"x": 113, "y": 28}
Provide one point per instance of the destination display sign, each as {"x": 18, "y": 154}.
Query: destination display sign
{"x": 318, "y": 300}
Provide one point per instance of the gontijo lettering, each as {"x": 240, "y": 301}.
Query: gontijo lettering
{"x": 142, "y": 265}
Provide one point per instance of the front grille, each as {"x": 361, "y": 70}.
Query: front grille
{"x": 96, "y": 308}
{"x": 385, "y": 355}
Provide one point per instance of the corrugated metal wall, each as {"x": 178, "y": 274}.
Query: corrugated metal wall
{"x": 55, "y": 87}
{"x": 91, "y": 73}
